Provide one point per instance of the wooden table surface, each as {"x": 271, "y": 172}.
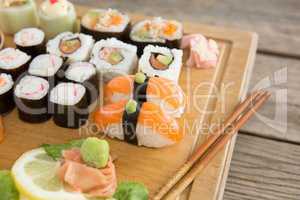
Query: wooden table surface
{"x": 266, "y": 161}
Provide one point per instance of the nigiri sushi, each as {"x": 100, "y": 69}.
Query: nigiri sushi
{"x": 142, "y": 124}
{"x": 158, "y": 90}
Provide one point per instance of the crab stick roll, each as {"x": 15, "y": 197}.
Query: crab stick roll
{"x": 57, "y": 16}
{"x": 113, "y": 58}
{"x": 70, "y": 106}
{"x": 31, "y": 41}
{"x": 31, "y": 98}
{"x": 156, "y": 31}
{"x": 47, "y": 66}
{"x": 13, "y": 62}
{"x": 140, "y": 124}
{"x": 73, "y": 46}
{"x": 103, "y": 24}
{"x": 158, "y": 90}
{"x": 17, "y": 14}
{"x": 161, "y": 61}
{"x": 6, "y": 93}
{"x": 85, "y": 74}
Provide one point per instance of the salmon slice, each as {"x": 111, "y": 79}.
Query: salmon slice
{"x": 160, "y": 88}
{"x": 151, "y": 116}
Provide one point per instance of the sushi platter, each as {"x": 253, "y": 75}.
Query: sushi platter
{"x": 198, "y": 97}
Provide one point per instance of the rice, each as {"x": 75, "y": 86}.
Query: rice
{"x": 8, "y": 83}
{"x": 80, "y": 54}
{"x": 174, "y": 68}
{"x": 11, "y": 58}
{"x": 29, "y": 37}
{"x": 45, "y": 65}
{"x": 80, "y": 71}
{"x": 109, "y": 70}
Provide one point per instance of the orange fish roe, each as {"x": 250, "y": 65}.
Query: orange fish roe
{"x": 169, "y": 29}
{"x": 115, "y": 20}
{"x": 2, "y": 81}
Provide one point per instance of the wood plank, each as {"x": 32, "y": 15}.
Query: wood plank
{"x": 268, "y": 66}
{"x": 276, "y": 22}
{"x": 264, "y": 169}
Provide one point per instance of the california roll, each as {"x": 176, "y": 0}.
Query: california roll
{"x": 161, "y": 61}
{"x": 113, "y": 57}
{"x": 73, "y": 46}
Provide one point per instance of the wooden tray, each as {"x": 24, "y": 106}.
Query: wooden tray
{"x": 212, "y": 95}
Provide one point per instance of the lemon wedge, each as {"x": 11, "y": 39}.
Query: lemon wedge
{"x": 35, "y": 176}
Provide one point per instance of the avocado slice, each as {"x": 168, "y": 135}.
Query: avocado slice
{"x": 165, "y": 60}
{"x": 115, "y": 58}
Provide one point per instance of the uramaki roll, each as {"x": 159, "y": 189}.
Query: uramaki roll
{"x": 103, "y": 24}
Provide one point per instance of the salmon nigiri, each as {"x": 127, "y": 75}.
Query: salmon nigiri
{"x": 143, "y": 124}
{"x": 161, "y": 91}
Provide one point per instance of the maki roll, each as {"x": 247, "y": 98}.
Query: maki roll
{"x": 57, "y": 16}
{"x": 139, "y": 124}
{"x": 70, "y": 105}
{"x": 156, "y": 31}
{"x": 17, "y": 14}
{"x": 47, "y": 66}
{"x": 113, "y": 57}
{"x": 72, "y": 46}
{"x": 103, "y": 24}
{"x": 158, "y": 90}
{"x": 13, "y": 62}
{"x": 161, "y": 61}
{"x": 6, "y": 93}
{"x": 84, "y": 73}
{"x": 31, "y": 41}
{"x": 31, "y": 97}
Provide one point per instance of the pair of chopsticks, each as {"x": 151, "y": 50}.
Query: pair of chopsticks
{"x": 213, "y": 144}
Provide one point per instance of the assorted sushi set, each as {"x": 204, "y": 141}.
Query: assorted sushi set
{"x": 56, "y": 72}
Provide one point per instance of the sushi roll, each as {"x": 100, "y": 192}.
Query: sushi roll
{"x": 72, "y": 46}
{"x": 13, "y": 62}
{"x": 103, "y": 24}
{"x": 139, "y": 124}
{"x": 48, "y": 66}
{"x": 17, "y": 14}
{"x": 57, "y": 16}
{"x": 31, "y": 98}
{"x": 161, "y": 61}
{"x": 84, "y": 73}
{"x": 113, "y": 58}
{"x": 158, "y": 90}
{"x": 156, "y": 31}
{"x": 70, "y": 105}
{"x": 31, "y": 41}
{"x": 6, "y": 93}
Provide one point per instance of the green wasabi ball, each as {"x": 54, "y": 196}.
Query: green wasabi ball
{"x": 131, "y": 106}
{"x": 8, "y": 190}
{"x": 140, "y": 78}
{"x": 95, "y": 152}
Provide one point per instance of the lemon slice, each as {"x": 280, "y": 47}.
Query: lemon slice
{"x": 35, "y": 176}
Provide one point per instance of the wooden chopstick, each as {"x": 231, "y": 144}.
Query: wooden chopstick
{"x": 2, "y": 135}
{"x": 214, "y": 143}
